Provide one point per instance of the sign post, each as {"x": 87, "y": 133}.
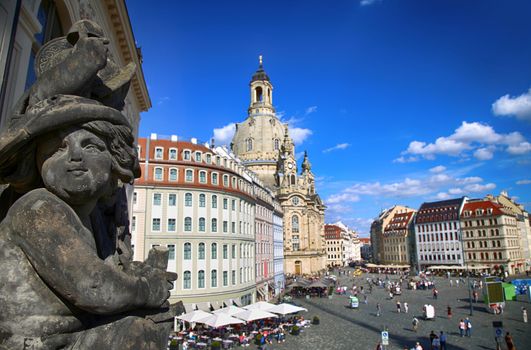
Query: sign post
{"x": 385, "y": 338}
{"x": 498, "y": 332}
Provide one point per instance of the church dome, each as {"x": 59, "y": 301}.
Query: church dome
{"x": 258, "y": 138}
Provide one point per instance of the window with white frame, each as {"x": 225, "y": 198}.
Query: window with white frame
{"x": 187, "y": 224}
{"x": 187, "y": 280}
{"x": 159, "y": 174}
{"x": 189, "y": 175}
{"x": 218, "y": 160}
{"x": 214, "y": 201}
{"x": 233, "y": 277}
{"x": 208, "y": 158}
{"x": 214, "y": 251}
{"x": 156, "y": 224}
{"x": 226, "y": 180}
{"x": 202, "y": 200}
{"x": 225, "y": 203}
{"x": 225, "y": 278}
{"x": 197, "y": 156}
{"x": 202, "y": 177}
{"x": 214, "y": 226}
{"x": 157, "y": 199}
{"x": 158, "y": 152}
{"x": 201, "y": 279}
{"x": 214, "y": 278}
{"x": 172, "y": 199}
{"x": 171, "y": 251}
{"x": 173, "y": 174}
{"x": 201, "y": 251}
{"x": 225, "y": 251}
{"x": 171, "y": 225}
{"x": 188, "y": 200}
{"x": 187, "y": 251}
{"x": 172, "y": 154}
{"x": 202, "y": 225}
{"x": 187, "y": 155}
{"x": 214, "y": 178}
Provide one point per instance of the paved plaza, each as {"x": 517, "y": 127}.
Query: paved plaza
{"x": 344, "y": 328}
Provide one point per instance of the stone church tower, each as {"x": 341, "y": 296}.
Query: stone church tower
{"x": 263, "y": 144}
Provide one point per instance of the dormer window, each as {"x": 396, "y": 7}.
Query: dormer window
{"x": 187, "y": 155}
{"x": 172, "y": 154}
{"x": 208, "y": 158}
{"x": 197, "y": 156}
{"x": 158, "y": 152}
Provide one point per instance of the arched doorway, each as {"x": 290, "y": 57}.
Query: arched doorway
{"x": 298, "y": 267}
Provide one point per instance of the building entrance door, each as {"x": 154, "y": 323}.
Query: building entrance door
{"x": 298, "y": 267}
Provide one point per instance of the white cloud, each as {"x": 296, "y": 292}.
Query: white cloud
{"x": 162, "y": 100}
{"x": 299, "y": 134}
{"x": 368, "y": 2}
{"x": 523, "y": 182}
{"x": 310, "y": 110}
{"x": 519, "y": 106}
{"x": 280, "y": 114}
{"x": 403, "y": 159}
{"x": 336, "y": 147}
{"x": 223, "y": 135}
{"x": 442, "y": 196}
{"x": 342, "y": 198}
{"x": 484, "y": 153}
{"x": 479, "y": 187}
{"x": 479, "y": 138}
{"x": 438, "y": 169}
{"x": 455, "y": 191}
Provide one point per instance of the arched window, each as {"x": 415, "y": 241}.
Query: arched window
{"x": 158, "y": 174}
{"x": 202, "y": 200}
{"x": 214, "y": 202}
{"x": 187, "y": 280}
{"x": 188, "y": 200}
{"x": 293, "y": 179}
{"x": 276, "y": 144}
{"x": 214, "y": 225}
{"x": 189, "y": 175}
{"x": 201, "y": 251}
{"x": 202, "y": 177}
{"x": 201, "y": 224}
{"x": 259, "y": 95}
{"x": 295, "y": 224}
{"x": 173, "y": 174}
{"x": 214, "y": 251}
{"x": 188, "y": 224}
{"x": 187, "y": 251}
{"x": 249, "y": 145}
{"x": 214, "y": 278}
{"x": 201, "y": 279}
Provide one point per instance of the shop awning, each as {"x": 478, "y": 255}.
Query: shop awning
{"x": 204, "y": 306}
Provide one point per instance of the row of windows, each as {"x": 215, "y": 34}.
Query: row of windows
{"x": 246, "y": 251}
{"x": 245, "y": 276}
{"x": 482, "y": 233}
{"x": 202, "y": 201}
{"x": 485, "y": 256}
{"x": 439, "y": 246}
{"x": 483, "y": 244}
{"x": 433, "y": 227}
{"x": 249, "y": 144}
{"x": 439, "y": 257}
{"x": 201, "y": 227}
{"x": 470, "y": 223}
{"x": 436, "y": 237}
{"x": 186, "y": 155}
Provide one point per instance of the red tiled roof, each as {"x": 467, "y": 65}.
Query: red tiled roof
{"x": 472, "y": 207}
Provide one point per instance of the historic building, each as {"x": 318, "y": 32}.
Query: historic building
{"x": 336, "y": 240}
{"x": 398, "y": 239}
{"x": 263, "y": 144}
{"x": 366, "y": 249}
{"x": 377, "y": 231}
{"x": 278, "y": 248}
{"x": 437, "y": 233}
{"x": 201, "y": 203}
{"x": 26, "y": 25}
{"x": 491, "y": 238}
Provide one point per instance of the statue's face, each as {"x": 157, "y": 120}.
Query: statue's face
{"x": 75, "y": 165}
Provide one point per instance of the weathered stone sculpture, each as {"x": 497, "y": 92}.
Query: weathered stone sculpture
{"x": 67, "y": 279}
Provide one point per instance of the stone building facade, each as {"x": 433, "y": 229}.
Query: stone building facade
{"x": 26, "y": 25}
{"x": 278, "y": 248}
{"x": 398, "y": 239}
{"x": 263, "y": 144}
{"x": 377, "y": 231}
{"x": 200, "y": 203}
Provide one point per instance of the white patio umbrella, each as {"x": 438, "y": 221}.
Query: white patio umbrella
{"x": 254, "y": 314}
{"x": 285, "y": 309}
{"x": 194, "y": 316}
{"x": 261, "y": 305}
{"x": 220, "y": 320}
{"x": 229, "y": 310}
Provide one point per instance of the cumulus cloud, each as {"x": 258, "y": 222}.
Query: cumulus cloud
{"x": 337, "y": 147}
{"x": 403, "y": 159}
{"x": 342, "y": 198}
{"x": 519, "y": 106}
{"x": 223, "y": 135}
{"x": 480, "y": 139}
{"x": 438, "y": 169}
{"x": 310, "y": 110}
{"x": 299, "y": 134}
{"x": 523, "y": 182}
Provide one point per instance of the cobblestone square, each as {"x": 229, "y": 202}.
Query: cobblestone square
{"x": 344, "y": 328}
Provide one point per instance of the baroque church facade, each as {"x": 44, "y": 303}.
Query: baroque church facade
{"x": 263, "y": 144}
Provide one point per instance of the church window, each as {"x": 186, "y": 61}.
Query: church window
{"x": 276, "y": 144}
{"x": 293, "y": 179}
{"x": 295, "y": 223}
{"x": 249, "y": 145}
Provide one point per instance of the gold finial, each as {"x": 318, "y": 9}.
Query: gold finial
{"x": 260, "y": 59}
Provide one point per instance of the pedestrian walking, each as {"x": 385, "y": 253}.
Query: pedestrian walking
{"x": 406, "y": 307}
{"x": 398, "y": 306}
{"x": 509, "y": 341}
{"x": 451, "y": 283}
{"x": 432, "y": 336}
{"x": 365, "y": 299}
{"x": 524, "y": 314}
{"x": 475, "y": 296}
{"x": 378, "y": 310}
{"x": 436, "y": 343}
{"x": 457, "y": 283}
{"x": 415, "y": 324}
{"x": 468, "y": 325}
{"x": 435, "y": 293}
{"x": 462, "y": 327}
{"x": 418, "y": 346}
{"x": 442, "y": 338}
{"x": 449, "y": 312}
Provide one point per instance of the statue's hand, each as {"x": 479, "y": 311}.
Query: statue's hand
{"x": 159, "y": 286}
{"x": 95, "y": 48}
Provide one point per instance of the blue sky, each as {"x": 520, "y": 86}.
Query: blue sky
{"x": 396, "y": 101}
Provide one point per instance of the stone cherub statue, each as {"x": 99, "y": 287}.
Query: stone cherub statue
{"x": 67, "y": 279}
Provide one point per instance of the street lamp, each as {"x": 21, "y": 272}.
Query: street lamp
{"x": 466, "y": 269}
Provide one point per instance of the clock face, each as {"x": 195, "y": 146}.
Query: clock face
{"x": 295, "y": 201}
{"x": 290, "y": 165}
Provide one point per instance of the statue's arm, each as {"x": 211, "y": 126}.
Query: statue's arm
{"x": 50, "y": 234}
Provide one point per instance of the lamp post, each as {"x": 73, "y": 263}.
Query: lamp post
{"x": 466, "y": 270}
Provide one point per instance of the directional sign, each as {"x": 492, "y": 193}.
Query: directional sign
{"x": 498, "y": 332}
{"x": 385, "y": 338}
